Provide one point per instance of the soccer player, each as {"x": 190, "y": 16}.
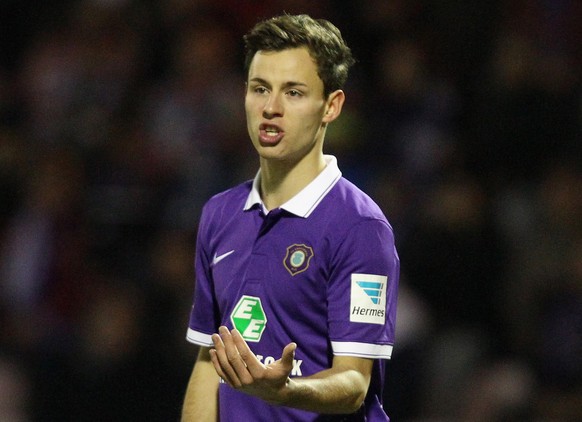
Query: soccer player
{"x": 296, "y": 270}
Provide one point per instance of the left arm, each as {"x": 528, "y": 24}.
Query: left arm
{"x": 340, "y": 389}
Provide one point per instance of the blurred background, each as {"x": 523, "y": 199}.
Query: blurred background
{"x": 119, "y": 119}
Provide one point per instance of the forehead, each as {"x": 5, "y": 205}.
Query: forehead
{"x": 294, "y": 64}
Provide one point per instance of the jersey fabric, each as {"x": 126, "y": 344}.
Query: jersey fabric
{"x": 321, "y": 271}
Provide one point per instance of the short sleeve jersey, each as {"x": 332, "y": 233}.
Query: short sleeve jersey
{"x": 321, "y": 271}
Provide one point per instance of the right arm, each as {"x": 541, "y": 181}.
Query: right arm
{"x": 340, "y": 389}
{"x": 201, "y": 401}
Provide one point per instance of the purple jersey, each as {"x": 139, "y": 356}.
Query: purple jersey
{"x": 321, "y": 271}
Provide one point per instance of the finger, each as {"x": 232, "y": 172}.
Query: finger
{"x": 223, "y": 362}
{"x": 216, "y": 359}
{"x": 288, "y": 355}
{"x": 218, "y": 368}
{"x": 252, "y": 364}
{"x": 234, "y": 356}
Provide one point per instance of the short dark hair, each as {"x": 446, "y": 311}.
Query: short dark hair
{"x": 323, "y": 40}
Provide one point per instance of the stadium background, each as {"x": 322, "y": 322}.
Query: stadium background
{"x": 119, "y": 118}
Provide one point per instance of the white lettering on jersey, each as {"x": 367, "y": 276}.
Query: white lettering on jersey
{"x": 295, "y": 372}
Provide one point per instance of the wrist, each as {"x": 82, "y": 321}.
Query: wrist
{"x": 283, "y": 397}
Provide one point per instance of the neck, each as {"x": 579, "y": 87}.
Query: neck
{"x": 281, "y": 181}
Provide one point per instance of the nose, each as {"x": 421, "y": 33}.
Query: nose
{"x": 273, "y": 107}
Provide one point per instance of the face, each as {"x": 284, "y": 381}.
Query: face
{"x": 285, "y": 108}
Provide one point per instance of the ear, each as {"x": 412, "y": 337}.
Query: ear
{"x": 333, "y": 106}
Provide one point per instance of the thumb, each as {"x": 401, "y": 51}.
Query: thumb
{"x": 288, "y": 354}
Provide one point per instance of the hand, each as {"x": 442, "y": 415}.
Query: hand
{"x": 238, "y": 366}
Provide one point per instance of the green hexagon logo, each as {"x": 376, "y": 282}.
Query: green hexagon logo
{"x": 249, "y": 318}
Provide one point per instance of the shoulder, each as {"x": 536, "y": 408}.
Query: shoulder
{"x": 347, "y": 212}
{"x": 227, "y": 201}
{"x": 349, "y": 201}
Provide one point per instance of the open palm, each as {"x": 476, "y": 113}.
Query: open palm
{"x": 238, "y": 366}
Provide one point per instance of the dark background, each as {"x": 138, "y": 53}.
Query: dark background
{"x": 119, "y": 118}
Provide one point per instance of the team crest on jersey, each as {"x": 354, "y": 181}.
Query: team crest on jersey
{"x": 297, "y": 258}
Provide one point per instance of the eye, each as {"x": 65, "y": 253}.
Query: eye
{"x": 294, "y": 93}
{"x": 260, "y": 90}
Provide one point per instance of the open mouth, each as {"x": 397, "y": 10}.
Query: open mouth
{"x": 271, "y": 131}
{"x": 270, "y": 134}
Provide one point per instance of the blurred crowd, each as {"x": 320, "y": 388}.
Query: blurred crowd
{"x": 120, "y": 118}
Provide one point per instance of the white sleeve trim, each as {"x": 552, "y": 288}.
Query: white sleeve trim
{"x": 363, "y": 350}
{"x": 199, "y": 338}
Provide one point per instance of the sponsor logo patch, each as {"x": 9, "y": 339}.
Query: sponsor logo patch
{"x": 297, "y": 258}
{"x": 249, "y": 318}
{"x": 368, "y": 298}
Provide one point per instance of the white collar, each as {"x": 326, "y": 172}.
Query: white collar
{"x": 309, "y": 197}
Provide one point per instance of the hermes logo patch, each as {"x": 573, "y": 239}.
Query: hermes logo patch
{"x": 368, "y": 298}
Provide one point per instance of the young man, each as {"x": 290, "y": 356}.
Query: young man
{"x": 296, "y": 271}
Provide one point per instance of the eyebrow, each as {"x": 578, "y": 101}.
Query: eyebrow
{"x": 285, "y": 85}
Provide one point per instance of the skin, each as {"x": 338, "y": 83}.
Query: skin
{"x": 339, "y": 389}
{"x": 284, "y": 92}
{"x": 201, "y": 401}
{"x": 287, "y": 117}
